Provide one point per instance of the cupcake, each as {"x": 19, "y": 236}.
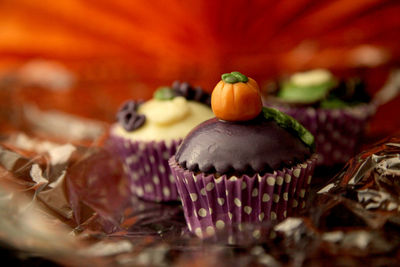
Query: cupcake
{"x": 148, "y": 133}
{"x": 335, "y": 112}
{"x": 249, "y": 164}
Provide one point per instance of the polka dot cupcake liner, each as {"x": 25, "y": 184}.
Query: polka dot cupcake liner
{"x": 146, "y": 164}
{"x": 213, "y": 204}
{"x": 337, "y": 132}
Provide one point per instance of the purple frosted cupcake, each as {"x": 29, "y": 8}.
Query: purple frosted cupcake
{"x": 148, "y": 133}
{"x": 335, "y": 112}
{"x": 242, "y": 167}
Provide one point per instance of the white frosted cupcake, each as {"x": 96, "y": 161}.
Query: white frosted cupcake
{"x": 148, "y": 133}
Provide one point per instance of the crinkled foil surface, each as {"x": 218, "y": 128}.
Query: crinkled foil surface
{"x": 68, "y": 201}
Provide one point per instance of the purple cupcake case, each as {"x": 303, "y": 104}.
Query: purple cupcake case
{"x": 146, "y": 164}
{"x": 225, "y": 203}
{"x": 337, "y": 131}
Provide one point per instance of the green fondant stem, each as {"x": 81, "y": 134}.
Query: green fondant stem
{"x": 234, "y": 77}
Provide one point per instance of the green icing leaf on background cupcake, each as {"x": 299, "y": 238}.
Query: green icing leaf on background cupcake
{"x": 307, "y": 87}
{"x": 164, "y": 93}
{"x": 289, "y": 123}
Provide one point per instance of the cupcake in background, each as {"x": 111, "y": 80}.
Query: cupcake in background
{"x": 148, "y": 133}
{"x": 250, "y": 164}
{"x": 334, "y": 111}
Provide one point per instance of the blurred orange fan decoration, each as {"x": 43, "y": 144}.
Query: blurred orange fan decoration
{"x": 197, "y": 40}
{"x": 152, "y": 43}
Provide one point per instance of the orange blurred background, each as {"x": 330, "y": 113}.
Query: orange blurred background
{"x": 115, "y": 50}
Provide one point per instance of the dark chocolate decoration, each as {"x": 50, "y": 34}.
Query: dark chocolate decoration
{"x": 128, "y": 117}
{"x": 130, "y": 105}
{"x": 236, "y": 148}
{"x": 191, "y": 93}
{"x": 351, "y": 90}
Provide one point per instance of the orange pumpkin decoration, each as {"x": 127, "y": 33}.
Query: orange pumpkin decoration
{"x": 236, "y": 98}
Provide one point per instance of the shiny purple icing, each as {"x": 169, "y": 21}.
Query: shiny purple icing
{"x": 236, "y": 148}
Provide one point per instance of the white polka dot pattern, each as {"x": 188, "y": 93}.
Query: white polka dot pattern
{"x": 198, "y": 232}
{"x": 146, "y": 164}
{"x": 256, "y": 234}
{"x": 148, "y": 188}
{"x": 166, "y": 191}
{"x": 247, "y": 209}
{"x": 220, "y": 224}
{"x": 202, "y": 212}
{"x": 266, "y": 197}
{"x": 203, "y": 192}
{"x": 237, "y": 202}
{"x": 271, "y": 180}
{"x": 210, "y": 186}
{"x": 211, "y": 203}
{"x": 286, "y": 196}
{"x": 244, "y": 185}
{"x": 210, "y": 231}
{"x": 193, "y": 196}
{"x": 255, "y": 192}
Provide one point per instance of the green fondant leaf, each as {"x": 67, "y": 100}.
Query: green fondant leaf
{"x": 231, "y": 79}
{"x": 223, "y": 76}
{"x": 241, "y": 77}
{"x": 290, "y": 123}
{"x": 164, "y": 93}
{"x": 234, "y": 77}
{"x": 308, "y": 138}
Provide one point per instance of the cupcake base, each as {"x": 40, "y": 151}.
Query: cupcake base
{"x": 224, "y": 203}
{"x": 146, "y": 164}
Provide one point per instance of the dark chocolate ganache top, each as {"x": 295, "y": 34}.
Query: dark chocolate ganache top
{"x": 236, "y": 148}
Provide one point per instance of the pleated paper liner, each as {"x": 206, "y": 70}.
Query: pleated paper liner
{"x": 146, "y": 164}
{"x": 337, "y": 132}
{"x": 221, "y": 203}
